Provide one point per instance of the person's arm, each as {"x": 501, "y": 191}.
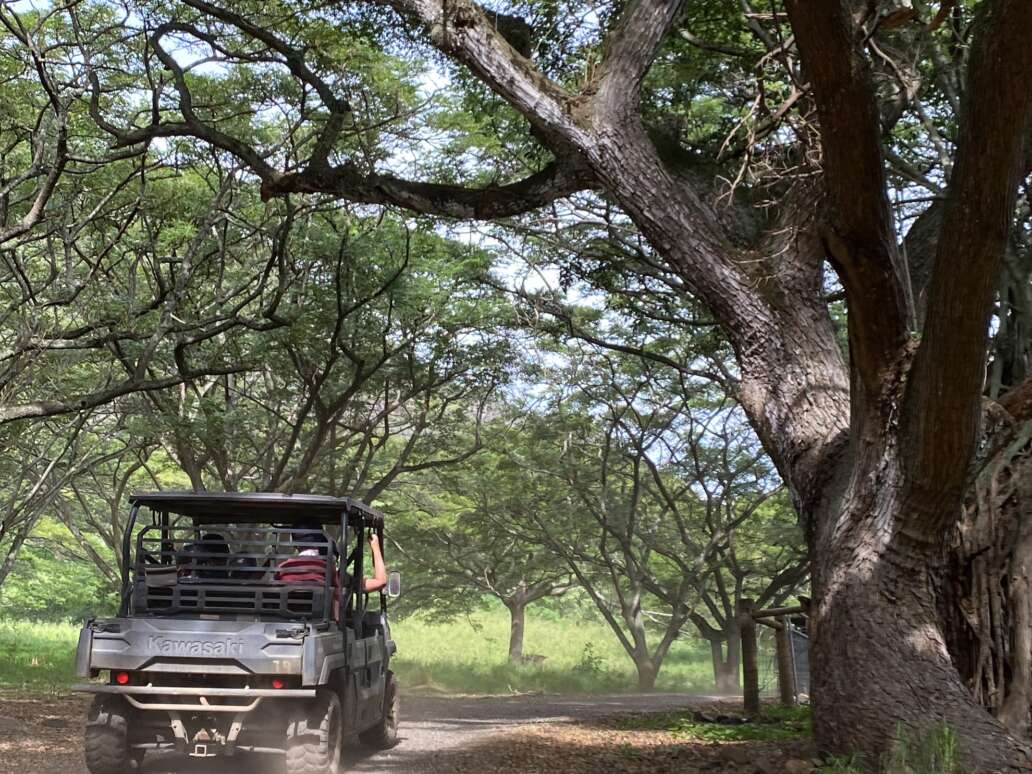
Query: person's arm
{"x": 379, "y": 579}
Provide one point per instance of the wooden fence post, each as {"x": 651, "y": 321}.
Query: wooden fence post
{"x": 750, "y": 668}
{"x": 786, "y": 667}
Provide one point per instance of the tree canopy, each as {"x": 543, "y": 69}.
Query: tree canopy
{"x": 291, "y": 245}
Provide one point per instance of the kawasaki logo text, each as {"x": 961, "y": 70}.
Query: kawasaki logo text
{"x": 169, "y": 647}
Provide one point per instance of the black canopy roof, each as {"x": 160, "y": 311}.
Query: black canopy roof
{"x": 259, "y": 507}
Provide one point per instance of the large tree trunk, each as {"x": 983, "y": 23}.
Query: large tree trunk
{"x": 879, "y": 654}
{"x": 717, "y": 657}
{"x": 647, "y": 672}
{"x": 517, "y": 624}
{"x": 727, "y": 677}
{"x": 727, "y": 662}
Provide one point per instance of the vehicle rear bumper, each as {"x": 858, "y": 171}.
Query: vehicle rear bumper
{"x": 252, "y": 696}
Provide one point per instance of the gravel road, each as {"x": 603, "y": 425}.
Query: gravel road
{"x": 431, "y": 727}
{"x": 439, "y": 724}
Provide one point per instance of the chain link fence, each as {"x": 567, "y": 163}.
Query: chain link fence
{"x": 767, "y": 661}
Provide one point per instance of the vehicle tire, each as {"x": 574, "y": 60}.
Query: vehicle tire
{"x": 384, "y": 734}
{"x": 107, "y": 737}
{"x": 314, "y": 736}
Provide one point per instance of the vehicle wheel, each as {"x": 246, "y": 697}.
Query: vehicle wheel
{"x": 107, "y": 730}
{"x": 385, "y": 733}
{"x": 314, "y": 737}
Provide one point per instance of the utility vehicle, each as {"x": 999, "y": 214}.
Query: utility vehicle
{"x": 244, "y": 625}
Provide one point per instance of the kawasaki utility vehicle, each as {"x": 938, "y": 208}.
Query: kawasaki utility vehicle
{"x": 244, "y": 625}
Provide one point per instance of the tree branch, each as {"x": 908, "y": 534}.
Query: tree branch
{"x": 555, "y": 181}
{"x": 942, "y": 407}
{"x": 859, "y": 235}
{"x": 630, "y": 49}
{"x": 462, "y": 31}
{"x": 49, "y": 408}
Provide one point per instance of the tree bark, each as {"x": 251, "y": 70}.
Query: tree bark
{"x": 517, "y": 625}
{"x": 733, "y": 664}
{"x": 726, "y": 673}
{"x": 726, "y": 663}
{"x": 786, "y": 667}
{"x": 880, "y": 652}
{"x": 879, "y": 655}
{"x": 717, "y": 657}
{"x": 1014, "y": 712}
{"x": 750, "y": 675}
{"x": 647, "y": 673}
{"x": 986, "y": 595}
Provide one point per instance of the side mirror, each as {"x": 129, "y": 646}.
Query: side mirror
{"x": 394, "y": 584}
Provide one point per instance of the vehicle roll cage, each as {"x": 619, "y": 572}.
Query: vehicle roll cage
{"x": 196, "y": 581}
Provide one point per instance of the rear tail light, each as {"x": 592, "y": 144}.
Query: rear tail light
{"x": 122, "y": 678}
{"x": 277, "y": 683}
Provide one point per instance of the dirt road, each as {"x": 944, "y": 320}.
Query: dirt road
{"x": 43, "y": 735}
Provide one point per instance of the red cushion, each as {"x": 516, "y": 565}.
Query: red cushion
{"x": 304, "y": 569}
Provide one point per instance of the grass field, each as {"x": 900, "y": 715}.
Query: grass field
{"x": 581, "y": 656}
{"x": 37, "y": 656}
{"x": 463, "y": 656}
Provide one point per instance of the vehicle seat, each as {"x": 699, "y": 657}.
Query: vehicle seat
{"x": 304, "y": 569}
{"x": 310, "y": 569}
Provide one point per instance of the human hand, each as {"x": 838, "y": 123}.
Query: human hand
{"x": 373, "y": 540}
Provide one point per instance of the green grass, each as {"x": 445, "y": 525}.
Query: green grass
{"x": 463, "y": 656}
{"x": 933, "y": 752}
{"x": 776, "y": 724}
{"x": 582, "y": 656}
{"x": 37, "y": 656}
